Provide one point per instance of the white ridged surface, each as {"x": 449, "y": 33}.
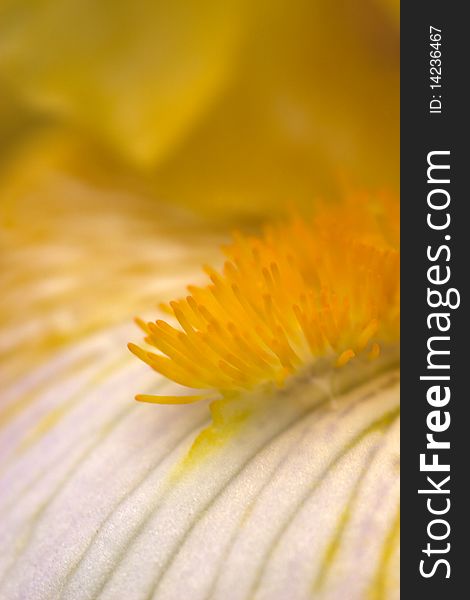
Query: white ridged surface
{"x": 89, "y": 510}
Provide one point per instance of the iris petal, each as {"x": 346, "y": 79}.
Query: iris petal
{"x": 91, "y": 507}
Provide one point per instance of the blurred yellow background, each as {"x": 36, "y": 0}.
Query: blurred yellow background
{"x": 232, "y": 108}
{"x": 136, "y": 133}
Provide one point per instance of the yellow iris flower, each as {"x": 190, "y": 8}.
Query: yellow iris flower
{"x": 135, "y": 136}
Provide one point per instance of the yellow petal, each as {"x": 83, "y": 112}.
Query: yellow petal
{"x": 232, "y": 108}
{"x": 136, "y": 74}
{"x": 315, "y": 103}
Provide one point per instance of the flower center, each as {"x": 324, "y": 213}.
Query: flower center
{"x": 326, "y": 287}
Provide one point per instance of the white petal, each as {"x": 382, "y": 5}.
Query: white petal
{"x": 90, "y": 508}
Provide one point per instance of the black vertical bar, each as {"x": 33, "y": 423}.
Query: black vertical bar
{"x": 422, "y": 132}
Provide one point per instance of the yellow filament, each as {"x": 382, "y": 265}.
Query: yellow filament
{"x": 323, "y": 287}
{"x": 168, "y": 399}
